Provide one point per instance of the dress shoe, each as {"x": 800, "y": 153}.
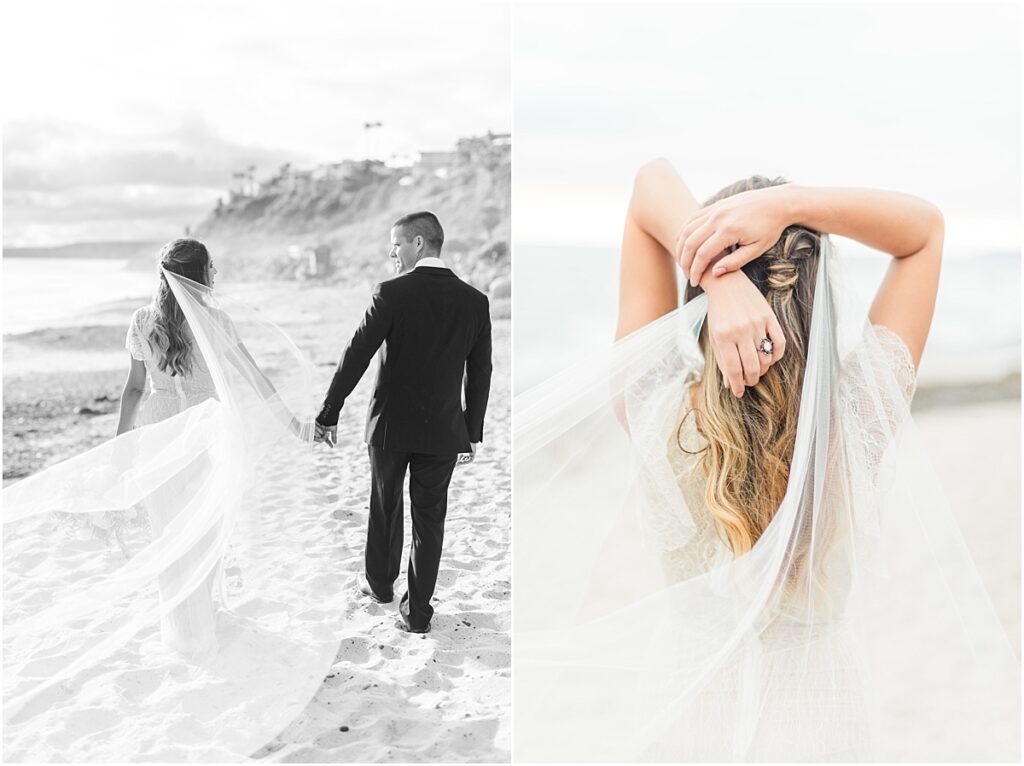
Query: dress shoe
{"x": 403, "y": 623}
{"x": 366, "y": 590}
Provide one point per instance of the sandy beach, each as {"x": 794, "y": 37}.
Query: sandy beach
{"x": 389, "y": 695}
{"x": 975, "y": 449}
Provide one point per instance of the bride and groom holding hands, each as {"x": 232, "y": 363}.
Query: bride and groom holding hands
{"x": 433, "y": 335}
{"x": 208, "y": 492}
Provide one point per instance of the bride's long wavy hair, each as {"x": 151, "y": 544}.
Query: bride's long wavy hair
{"x": 188, "y": 258}
{"x": 750, "y": 440}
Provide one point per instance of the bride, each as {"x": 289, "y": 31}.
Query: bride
{"x": 737, "y": 549}
{"x": 125, "y": 652}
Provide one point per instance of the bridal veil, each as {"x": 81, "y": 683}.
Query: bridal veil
{"x": 857, "y": 628}
{"x": 86, "y": 674}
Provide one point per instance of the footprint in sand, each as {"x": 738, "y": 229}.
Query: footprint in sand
{"x": 428, "y": 680}
{"x": 347, "y": 512}
{"x": 495, "y": 594}
{"x": 356, "y": 650}
{"x": 478, "y": 621}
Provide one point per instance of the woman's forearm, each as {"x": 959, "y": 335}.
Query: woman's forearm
{"x": 661, "y": 202}
{"x": 895, "y": 223}
{"x": 130, "y": 398}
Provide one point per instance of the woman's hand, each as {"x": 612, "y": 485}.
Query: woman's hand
{"x": 747, "y": 224}
{"x": 738, "y": 319}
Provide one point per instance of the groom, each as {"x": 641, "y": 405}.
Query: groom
{"x": 434, "y": 332}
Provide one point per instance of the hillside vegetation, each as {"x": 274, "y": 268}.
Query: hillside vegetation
{"x": 349, "y": 207}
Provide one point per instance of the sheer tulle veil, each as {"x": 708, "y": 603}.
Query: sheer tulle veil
{"x": 856, "y": 629}
{"x": 239, "y": 471}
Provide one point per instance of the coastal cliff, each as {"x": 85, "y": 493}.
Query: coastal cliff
{"x": 345, "y": 210}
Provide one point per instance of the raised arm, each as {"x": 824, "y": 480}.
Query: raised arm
{"x": 660, "y": 204}
{"x": 906, "y": 227}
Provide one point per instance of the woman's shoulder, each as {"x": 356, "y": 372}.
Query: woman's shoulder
{"x": 142, "y": 315}
{"x": 894, "y": 350}
{"x": 889, "y": 338}
{"x": 880, "y": 362}
{"x": 138, "y": 329}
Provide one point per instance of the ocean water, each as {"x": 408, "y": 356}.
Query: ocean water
{"x": 566, "y": 299}
{"x": 565, "y": 302}
{"x": 57, "y": 292}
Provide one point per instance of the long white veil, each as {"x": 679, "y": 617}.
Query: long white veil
{"x": 856, "y": 629}
{"x": 86, "y": 674}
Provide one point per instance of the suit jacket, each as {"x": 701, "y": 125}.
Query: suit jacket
{"x": 433, "y": 332}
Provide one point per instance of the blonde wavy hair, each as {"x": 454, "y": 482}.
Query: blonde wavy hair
{"x": 188, "y": 258}
{"x": 750, "y": 440}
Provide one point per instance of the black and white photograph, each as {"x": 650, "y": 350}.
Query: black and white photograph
{"x": 257, "y": 382}
{"x": 767, "y": 373}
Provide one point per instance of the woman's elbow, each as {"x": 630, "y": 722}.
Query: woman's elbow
{"x": 646, "y": 179}
{"x": 134, "y": 387}
{"x": 651, "y": 168}
{"x": 939, "y": 221}
{"x": 936, "y": 224}
{"x": 926, "y": 228}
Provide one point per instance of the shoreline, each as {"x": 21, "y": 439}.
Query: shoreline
{"x": 53, "y": 410}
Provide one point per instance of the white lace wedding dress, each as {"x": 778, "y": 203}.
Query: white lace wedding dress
{"x": 189, "y": 627}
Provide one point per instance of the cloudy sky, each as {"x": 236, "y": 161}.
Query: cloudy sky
{"x": 126, "y": 120}
{"x": 917, "y": 97}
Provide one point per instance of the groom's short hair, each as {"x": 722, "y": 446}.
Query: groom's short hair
{"x": 424, "y": 224}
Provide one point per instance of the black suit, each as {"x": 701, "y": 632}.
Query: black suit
{"x": 434, "y": 332}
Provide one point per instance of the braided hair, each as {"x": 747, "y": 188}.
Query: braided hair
{"x": 750, "y": 439}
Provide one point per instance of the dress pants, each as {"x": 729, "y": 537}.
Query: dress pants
{"x": 429, "y": 476}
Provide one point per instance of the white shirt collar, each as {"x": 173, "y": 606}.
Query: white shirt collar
{"x": 430, "y": 261}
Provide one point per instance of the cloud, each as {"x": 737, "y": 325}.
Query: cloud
{"x": 52, "y": 155}
{"x": 176, "y": 97}
{"x": 89, "y": 213}
{"x": 63, "y": 179}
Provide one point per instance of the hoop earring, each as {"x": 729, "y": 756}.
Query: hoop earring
{"x": 679, "y": 431}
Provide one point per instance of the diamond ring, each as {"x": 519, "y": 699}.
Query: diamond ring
{"x": 766, "y": 345}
